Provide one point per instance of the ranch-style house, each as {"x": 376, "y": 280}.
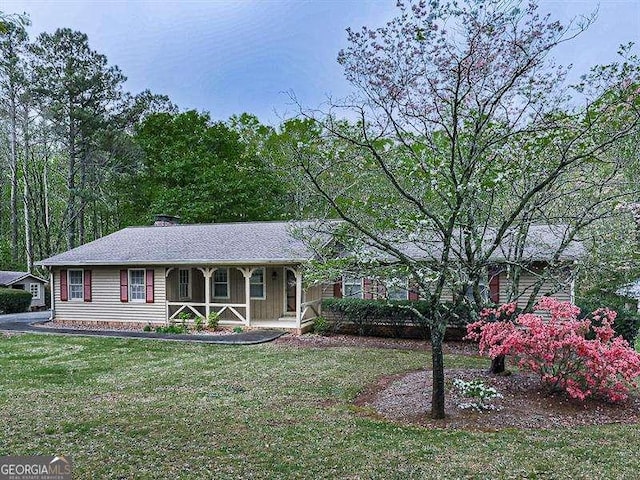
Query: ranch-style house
{"x": 250, "y": 273}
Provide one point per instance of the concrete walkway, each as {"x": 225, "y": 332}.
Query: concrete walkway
{"x": 28, "y": 323}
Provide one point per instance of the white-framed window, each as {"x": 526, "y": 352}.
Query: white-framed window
{"x": 34, "y": 289}
{"x": 398, "y": 290}
{"x": 221, "y": 283}
{"x": 137, "y": 291}
{"x": 352, "y": 287}
{"x": 184, "y": 283}
{"x": 256, "y": 287}
{"x": 76, "y": 284}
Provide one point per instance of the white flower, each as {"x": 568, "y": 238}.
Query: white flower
{"x": 476, "y": 389}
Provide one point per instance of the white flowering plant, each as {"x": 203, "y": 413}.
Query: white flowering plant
{"x": 478, "y": 393}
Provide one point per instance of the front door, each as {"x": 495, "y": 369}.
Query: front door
{"x": 290, "y": 285}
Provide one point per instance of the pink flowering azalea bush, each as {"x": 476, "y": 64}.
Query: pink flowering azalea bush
{"x": 558, "y": 350}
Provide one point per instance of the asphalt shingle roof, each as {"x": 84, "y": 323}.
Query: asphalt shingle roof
{"x": 631, "y": 290}
{"x": 221, "y": 243}
{"x": 541, "y": 244}
{"x": 268, "y": 243}
{"x": 9, "y": 277}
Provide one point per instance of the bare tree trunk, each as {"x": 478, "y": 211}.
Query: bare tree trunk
{"x": 27, "y": 227}
{"x": 71, "y": 182}
{"x": 437, "y": 369}
{"x": 28, "y": 241}
{"x": 2, "y": 207}
{"x": 82, "y": 199}
{"x": 13, "y": 167}
{"x": 96, "y": 226}
{"x": 46, "y": 215}
{"x": 497, "y": 365}
{"x": 45, "y": 189}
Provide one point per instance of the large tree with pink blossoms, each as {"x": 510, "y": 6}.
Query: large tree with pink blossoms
{"x": 462, "y": 133}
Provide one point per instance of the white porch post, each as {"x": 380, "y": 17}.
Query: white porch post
{"x": 298, "y": 274}
{"x": 207, "y": 273}
{"x": 166, "y": 293}
{"x": 247, "y": 272}
{"x": 53, "y": 294}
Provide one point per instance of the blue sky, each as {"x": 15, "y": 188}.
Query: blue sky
{"x": 229, "y": 57}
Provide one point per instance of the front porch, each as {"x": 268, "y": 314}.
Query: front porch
{"x": 263, "y": 296}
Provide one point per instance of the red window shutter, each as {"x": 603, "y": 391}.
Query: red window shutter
{"x": 87, "y": 285}
{"x": 366, "y": 289}
{"x": 124, "y": 286}
{"x": 494, "y": 286}
{"x": 337, "y": 288}
{"x": 413, "y": 292}
{"x": 149, "y": 285}
{"x": 64, "y": 290}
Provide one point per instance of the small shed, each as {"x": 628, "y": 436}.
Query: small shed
{"x": 25, "y": 281}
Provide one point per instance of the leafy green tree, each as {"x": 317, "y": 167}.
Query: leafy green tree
{"x": 278, "y": 147}
{"x": 77, "y": 90}
{"x": 119, "y": 158}
{"x": 200, "y": 171}
{"x": 67, "y": 142}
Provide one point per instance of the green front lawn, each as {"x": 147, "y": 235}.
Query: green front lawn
{"x": 153, "y": 409}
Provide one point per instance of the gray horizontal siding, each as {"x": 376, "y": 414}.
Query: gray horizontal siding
{"x": 327, "y": 290}
{"x": 106, "y": 305}
{"x": 525, "y": 287}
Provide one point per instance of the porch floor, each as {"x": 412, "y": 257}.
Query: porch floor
{"x": 283, "y": 323}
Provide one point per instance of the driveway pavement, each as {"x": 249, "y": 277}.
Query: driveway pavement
{"x": 21, "y": 320}
{"x": 27, "y": 323}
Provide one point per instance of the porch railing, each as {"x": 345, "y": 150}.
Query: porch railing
{"x": 313, "y": 306}
{"x": 184, "y": 307}
{"x": 192, "y": 307}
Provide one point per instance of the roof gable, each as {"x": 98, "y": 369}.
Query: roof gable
{"x": 10, "y": 277}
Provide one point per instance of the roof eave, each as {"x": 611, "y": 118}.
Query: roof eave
{"x": 230, "y": 263}
{"x": 16, "y": 280}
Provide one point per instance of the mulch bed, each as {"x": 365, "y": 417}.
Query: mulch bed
{"x": 525, "y": 405}
{"x": 406, "y": 398}
{"x": 121, "y": 327}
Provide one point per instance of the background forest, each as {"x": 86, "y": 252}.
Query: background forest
{"x": 81, "y": 157}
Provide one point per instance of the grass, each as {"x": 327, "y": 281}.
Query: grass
{"x": 153, "y": 409}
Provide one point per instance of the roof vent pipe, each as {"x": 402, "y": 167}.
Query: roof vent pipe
{"x": 166, "y": 220}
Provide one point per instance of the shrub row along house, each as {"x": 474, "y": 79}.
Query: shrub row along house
{"x": 249, "y": 273}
